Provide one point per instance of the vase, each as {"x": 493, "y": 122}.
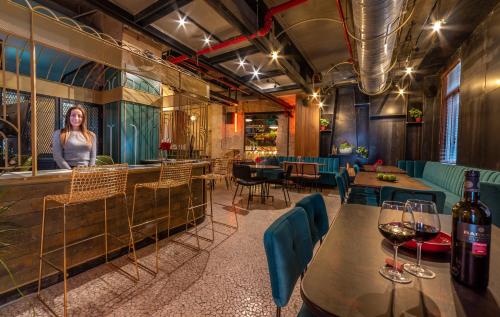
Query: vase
{"x": 418, "y": 120}
{"x": 345, "y": 150}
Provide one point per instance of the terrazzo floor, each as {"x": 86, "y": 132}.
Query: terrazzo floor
{"x": 229, "y": 277}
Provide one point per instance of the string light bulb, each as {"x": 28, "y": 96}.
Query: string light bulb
{"x": 242, "y": 62}
{"x": 255, "y": 73}
{"x": 401, "y": 91}
{"x": 409, "y": 70}
{"x": 321, "y": 104}
{"x": 315, "y": 95}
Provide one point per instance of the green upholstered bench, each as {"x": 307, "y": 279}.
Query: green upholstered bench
{"x": 327, "y": 171}
{"x": 450, "y": 180}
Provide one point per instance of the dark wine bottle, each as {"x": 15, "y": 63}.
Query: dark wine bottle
{"x": 471, "y": 236}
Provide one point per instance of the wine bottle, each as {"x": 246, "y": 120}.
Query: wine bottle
{"x": 471, "y": 236}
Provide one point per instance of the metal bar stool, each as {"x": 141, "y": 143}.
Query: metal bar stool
{"x": 218, "y": 172}
{"x": 172, "y": 175}
{"x": 88, "y": 184}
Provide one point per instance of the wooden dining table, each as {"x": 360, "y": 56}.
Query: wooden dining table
{"x": 367, "y": 179}
{"x": 389, "y": 169}
{"x": 343, "y": 279}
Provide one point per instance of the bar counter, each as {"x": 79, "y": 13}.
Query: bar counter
{"x": 24, "y": 193}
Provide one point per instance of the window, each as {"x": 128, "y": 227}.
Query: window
{"x": 451, "y": 110}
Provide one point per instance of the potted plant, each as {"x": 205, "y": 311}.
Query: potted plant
{"x": 165, "y": 147}
{"x": 345, "y": 148}
{"x": 362, "y": 152}
{"x": 323, "y": 124}
{"x": 416, "y": 114}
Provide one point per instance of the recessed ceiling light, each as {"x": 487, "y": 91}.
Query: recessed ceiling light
{"x": 182, "y": 21}
{"x": 436, "y": 26}
{"x": 207, "y": 40}
{"x": 255, "y": 73}
{"x": 241, "y": 62}
{"x": 274, "y": 55}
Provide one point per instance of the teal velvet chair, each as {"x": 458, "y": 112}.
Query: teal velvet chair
{"x": 341, "y": 187}
{"x": 403, "y": 194}
{"x": 356, "y": 169}
{"x": 490, "y": 196}
{"x": 410, "y": 168}
{"x": 402, "y": 164}
{"x": 289, "y": 249}
{"x": 418, "y": 168}
{"x": 315, "y": 207}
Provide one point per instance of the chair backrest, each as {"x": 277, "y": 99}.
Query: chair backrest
{"x": 402, "y": 164}
{"x": 402, "y": 194}
{"x": 341, "y": 187}
{"x": 345, "y": 177}
{"x": 490, "y": 195}
{"x": 315, "y": 207}
{"x": 220, "y": 166}
{"x": 356, "y": 169}
{"x": 98, "y": 182}
{"x": 410, "y": 168}
{"x": 310, "y": 169}
{"x": 289, "y": 249}
{"x": 104, "y": 160}
{"x": 295, "y": 167}
{"x": 288, "y": 171}
{"x": 241, "y": 171}
{"x": 180, "y": 173}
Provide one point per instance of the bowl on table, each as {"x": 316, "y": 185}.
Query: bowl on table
{"x": 387, "y": 177}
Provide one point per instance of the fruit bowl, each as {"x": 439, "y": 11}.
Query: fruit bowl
{"x": 441, "y": 243}
{"x": 387, "y": 177}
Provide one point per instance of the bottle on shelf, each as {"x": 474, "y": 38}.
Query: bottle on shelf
{"x": 471, "y": 236}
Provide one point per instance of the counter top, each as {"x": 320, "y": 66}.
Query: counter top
{"x": 61, "y": 174}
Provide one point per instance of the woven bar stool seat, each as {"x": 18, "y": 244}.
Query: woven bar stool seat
{"x": 172, "y": 175}
{"x": 88, "y": 184}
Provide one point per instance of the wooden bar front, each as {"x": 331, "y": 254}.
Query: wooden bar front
{"x": 25, "y": 195}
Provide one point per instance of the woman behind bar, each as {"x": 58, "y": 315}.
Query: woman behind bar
{"x": 74, "y": 145}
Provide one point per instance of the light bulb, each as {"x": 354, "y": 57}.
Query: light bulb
{"x": 207, "y": 40}
{"x": 182, "y": 21}
{"x": 401, "y": 91}
{"x": 436, "y": 26}
{"x": 274, "y": 55}
{"x": 409, "y": 70}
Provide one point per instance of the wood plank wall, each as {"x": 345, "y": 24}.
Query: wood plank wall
{"x": 306, "y": 129}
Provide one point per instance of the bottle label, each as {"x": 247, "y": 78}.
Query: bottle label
{"x": 477, "y": 235}
{"x": 471, "y": 184}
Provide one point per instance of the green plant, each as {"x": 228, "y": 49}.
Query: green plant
{"x": 362, "y": 151}
{"x": 415, "y": 113}
{"x": 345, "y": 145}
{"x": 324, "y": 122}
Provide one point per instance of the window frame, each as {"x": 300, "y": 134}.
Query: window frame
{"x": 444, "y": 109}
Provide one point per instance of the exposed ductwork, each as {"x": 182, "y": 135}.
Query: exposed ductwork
{"x": 375, "y": 24}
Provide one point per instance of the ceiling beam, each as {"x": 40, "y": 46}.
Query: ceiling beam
{"x": 269, "y": 74}
{"x": 243, "y": 16}
{"x": 233, "y": 55}
{"x": 158, "y": 10}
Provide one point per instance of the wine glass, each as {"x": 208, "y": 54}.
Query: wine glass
{"x": 396, "y": 224}
{"x": 427, "y": 226}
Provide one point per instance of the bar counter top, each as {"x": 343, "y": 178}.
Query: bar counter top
{"x": 23, "y": 195}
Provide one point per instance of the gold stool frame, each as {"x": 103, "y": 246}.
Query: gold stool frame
{"x": 88, "y": 184}
{"x": 172, "y": 175}
{"x": 220, "y": 168}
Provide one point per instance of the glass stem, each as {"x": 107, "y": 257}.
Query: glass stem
{"x": 396, "y": 258}
{"x": 419, "y": 253}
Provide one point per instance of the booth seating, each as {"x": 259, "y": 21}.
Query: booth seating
{"x": 327, "y": 171}
{"x": 450, "y": 180}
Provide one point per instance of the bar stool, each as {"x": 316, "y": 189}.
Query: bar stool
{"x": 218, "y": 172}
{"x": 88, "y": 184}
{"x": 172, "y": 175}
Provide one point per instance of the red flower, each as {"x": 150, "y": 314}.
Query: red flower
{"x": 258, "y": 160}
{"x": 165, "y": 146}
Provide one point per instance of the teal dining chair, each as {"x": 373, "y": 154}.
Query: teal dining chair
{"x": 289, "y": 248}
{"x": 341, "y": 187}
{"x": 403, "y": 194}
{"x": 315, "y": 207}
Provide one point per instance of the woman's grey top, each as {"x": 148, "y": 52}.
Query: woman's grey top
{"x": 75, "y": 152}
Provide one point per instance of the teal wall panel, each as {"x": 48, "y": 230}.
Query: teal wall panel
{"x": 111, "y": 128}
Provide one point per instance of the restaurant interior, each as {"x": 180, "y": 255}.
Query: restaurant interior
{"x": 249, "y": 158}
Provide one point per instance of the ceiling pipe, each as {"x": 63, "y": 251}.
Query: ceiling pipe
{"x": 268, "y": 22}
{"x": 346, "y": 35}
{"x": 375, "y": 23}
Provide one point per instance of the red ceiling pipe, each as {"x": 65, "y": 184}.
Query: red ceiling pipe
{"x": 346, "y": 35}
{"x": 268, "y": 22}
